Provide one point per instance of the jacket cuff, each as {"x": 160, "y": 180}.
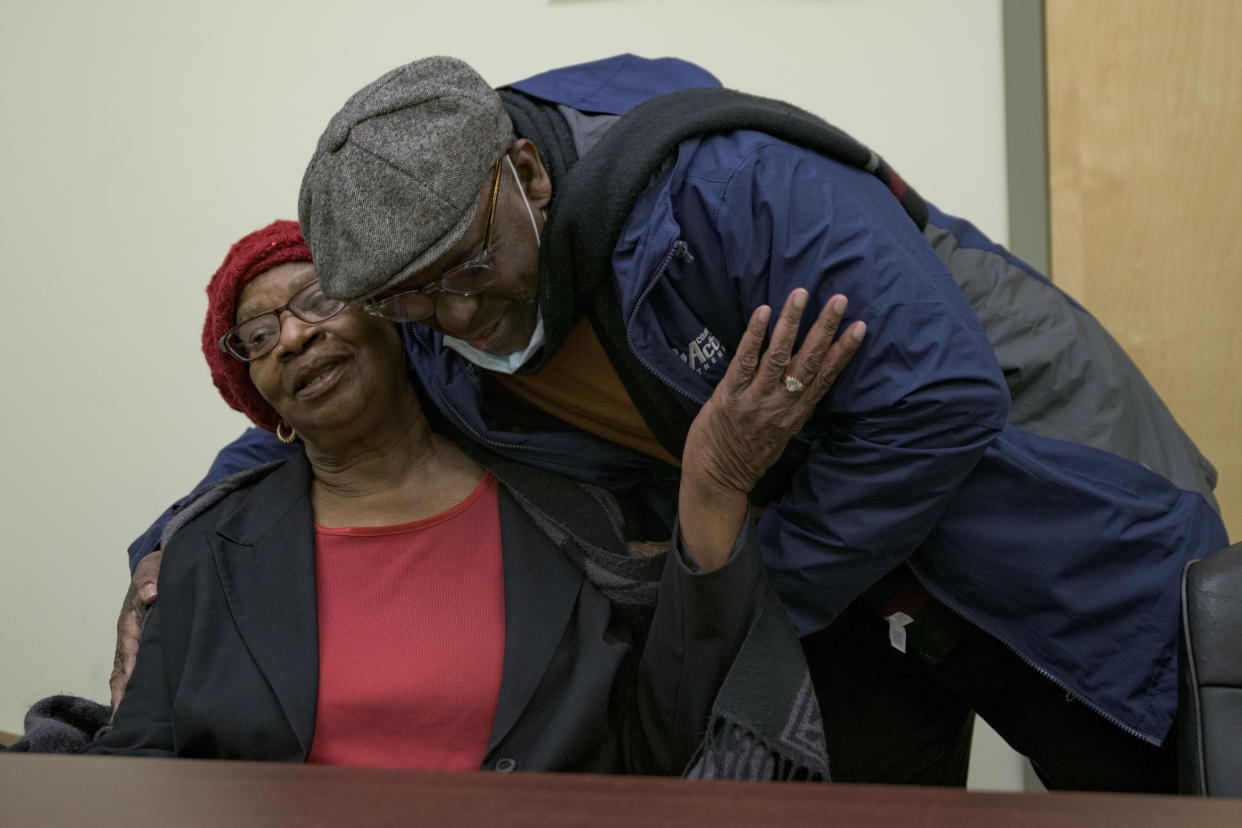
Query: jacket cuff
{"x": 747, "y": 538}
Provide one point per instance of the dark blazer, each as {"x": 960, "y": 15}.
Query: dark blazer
{"x": 228, "y": 665}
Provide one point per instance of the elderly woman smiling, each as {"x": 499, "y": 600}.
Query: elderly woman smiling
{"x": 385, "y": 598}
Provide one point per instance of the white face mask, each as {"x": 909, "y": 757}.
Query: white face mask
{"x": 508, "y": 363}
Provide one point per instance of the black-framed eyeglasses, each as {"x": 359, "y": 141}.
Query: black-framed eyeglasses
{"x": 257, "y": 336}
{"x": 466, "y": 279}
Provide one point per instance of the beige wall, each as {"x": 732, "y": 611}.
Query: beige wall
{"x": 142, "y": 137}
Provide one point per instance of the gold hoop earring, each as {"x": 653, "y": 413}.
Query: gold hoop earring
{"x": 285, "y": 438}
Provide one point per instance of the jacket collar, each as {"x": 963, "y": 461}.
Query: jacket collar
{"x": 541, "y": 591}
{"x": 264, "y": 553}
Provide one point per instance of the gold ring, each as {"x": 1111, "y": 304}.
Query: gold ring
{"x": 794, "y": 385}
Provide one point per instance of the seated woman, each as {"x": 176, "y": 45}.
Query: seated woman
{"x": 385, "y": 598}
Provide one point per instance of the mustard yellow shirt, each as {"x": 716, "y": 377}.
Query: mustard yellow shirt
{"x": 580, "y": 386}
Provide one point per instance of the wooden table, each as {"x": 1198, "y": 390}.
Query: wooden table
{"x": 108, "y": 792}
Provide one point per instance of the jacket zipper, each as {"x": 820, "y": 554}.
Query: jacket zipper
{"x": 1070, "y": 694}
{"x": 679, "y": 249}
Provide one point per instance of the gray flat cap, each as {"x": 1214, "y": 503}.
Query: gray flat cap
{"x": 395, "y": 180}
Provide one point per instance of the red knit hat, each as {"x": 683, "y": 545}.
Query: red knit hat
{"x": 278, "y": 243}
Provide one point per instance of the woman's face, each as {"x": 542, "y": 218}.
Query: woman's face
{"x": 323, "y": 375}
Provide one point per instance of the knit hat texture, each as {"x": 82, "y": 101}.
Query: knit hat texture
{"x": 396, "y": 176}
{"x": 278, "y": 243}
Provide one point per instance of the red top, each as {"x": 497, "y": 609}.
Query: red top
{"x": 411, "y": 638}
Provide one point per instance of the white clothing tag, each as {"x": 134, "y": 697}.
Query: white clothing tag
{"x": 897, "y": 630}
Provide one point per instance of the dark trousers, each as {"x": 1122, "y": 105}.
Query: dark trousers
{"x": 907, "y": 718}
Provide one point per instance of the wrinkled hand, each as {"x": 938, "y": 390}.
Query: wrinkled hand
{"x": 743, "y": 428}
{"x": 141, "y": 595}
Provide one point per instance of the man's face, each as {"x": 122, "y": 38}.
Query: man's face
{"x": 500, "y": 319}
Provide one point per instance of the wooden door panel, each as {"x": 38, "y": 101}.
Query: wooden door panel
{"x": 1144, "y": 132}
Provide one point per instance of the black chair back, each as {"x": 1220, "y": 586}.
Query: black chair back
{"x": 1210, "y": 720}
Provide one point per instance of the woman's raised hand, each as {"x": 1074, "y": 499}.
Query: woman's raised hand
{"x": 765, "y": 398}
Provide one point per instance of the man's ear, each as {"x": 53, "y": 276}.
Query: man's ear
{"x": 533, "y": 175}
